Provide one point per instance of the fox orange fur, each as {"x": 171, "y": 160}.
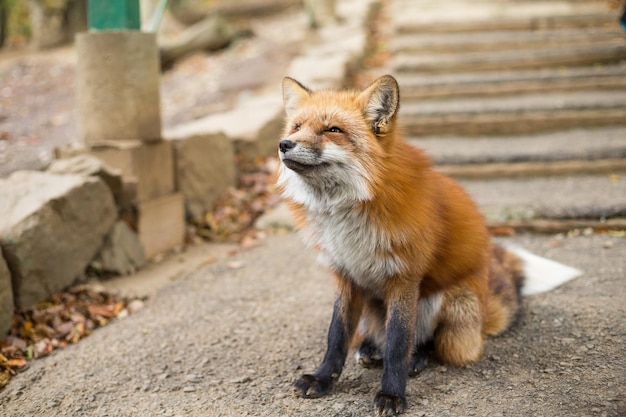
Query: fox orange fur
{"x": 414, "y": 267}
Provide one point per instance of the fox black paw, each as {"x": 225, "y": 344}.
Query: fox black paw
{"x": 310, "y": 386}
{"x": 389, "y": 405}
{"x": 368, "y": 355}
{"x": 420, "y": 358}
{"x": 418, "y": 364}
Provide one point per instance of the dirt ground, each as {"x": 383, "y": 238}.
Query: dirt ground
{"x": 229, "y": 339}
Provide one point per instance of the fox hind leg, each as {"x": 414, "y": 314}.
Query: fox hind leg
{"x": 372, "y": 330}
{"x": 428, "y": 309}
{"x": 420, "y": 358}
{"x": 458, "y": 339}
{"x": 369, "y": 355}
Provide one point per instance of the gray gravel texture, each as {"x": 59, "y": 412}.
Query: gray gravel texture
{"x": 229, "y": 339}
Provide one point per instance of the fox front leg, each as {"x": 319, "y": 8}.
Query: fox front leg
{"x": 346, "y": 315}
{"x": 401, "y": 313}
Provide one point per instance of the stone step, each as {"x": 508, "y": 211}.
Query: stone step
{"x": 459, "y": 16}
{"x": 578, "y": 144}
{"x": 469, "y": 84}
{"x": 554, "y": 226}
{"x": 535, "y": 169}
{"x": 503, "y": 40}
{"x": 509, "y": 60}
{"x": 514, "y": 115}
{"x": 514, "y": 122}
{"x": 541, "y": 22}
{"x": 595, "y": 197}
{"x": 530, "y": 102}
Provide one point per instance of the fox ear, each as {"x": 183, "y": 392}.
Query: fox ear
{"x": 293, "y": 93}
{"x": 382, "y": 100}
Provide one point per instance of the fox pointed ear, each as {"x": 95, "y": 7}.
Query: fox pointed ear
{"x": 293, "y": 93}
{"x": 382, "y": 100}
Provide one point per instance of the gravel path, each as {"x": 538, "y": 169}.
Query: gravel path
{"x": 229, "y": 339}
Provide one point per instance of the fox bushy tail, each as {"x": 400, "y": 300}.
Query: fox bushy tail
{"x": 542, "y": 274}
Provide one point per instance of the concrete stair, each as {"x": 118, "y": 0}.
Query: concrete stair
{"x": 509, "y": 82}
{"x": 576, "y": 144}
{"x": 536, "y": 58}
{"x": 523, "y": 102}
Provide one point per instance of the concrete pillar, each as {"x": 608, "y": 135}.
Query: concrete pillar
{"x": 118, "y": 87}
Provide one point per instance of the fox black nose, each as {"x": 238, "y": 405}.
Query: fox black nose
{"x": 285, "y": 145}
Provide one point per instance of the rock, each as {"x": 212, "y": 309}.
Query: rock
{"x": 135, "y": 305}
{"x": 122, "y": 251}
{"x": 51, "y": 228}
{"x": 278, "y": 217}
{"x": 195, "y": 379}
{"x": 204, "y": 169}
{"x": 254, "y": 125}
{"x": 6, "y": 297}
{"x": 88, "y": 165}
{"x": 241, "y": 380}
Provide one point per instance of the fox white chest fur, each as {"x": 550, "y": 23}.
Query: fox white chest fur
{"x": 349, "y": 244}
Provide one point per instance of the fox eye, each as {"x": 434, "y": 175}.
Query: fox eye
{"x": 335, "y": 129}
{"x": 296, "y": 127}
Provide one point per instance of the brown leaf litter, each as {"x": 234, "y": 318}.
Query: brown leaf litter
{"x": 64, "y": 319}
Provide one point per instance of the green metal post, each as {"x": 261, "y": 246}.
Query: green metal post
{"x": 114, "y": 15}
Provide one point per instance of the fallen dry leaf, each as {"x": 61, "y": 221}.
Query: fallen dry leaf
{"x": 64, "y": 328}
{"x": 232, "y": 218}
{"x": 14, "y": 363}
{"x": 104, "y": 310}
{"x": 64, "y": 319}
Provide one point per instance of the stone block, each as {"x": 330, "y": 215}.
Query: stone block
{"x": 6, "y": 297}
{"x": 254, "y": 125}
{"x": 88, "y": 165}
{"x": 146, "y": 167}
{"x": 204, "y": 169}
{"x": 118, "y": 97}
{"x": 278, "y": 217}
{"x": 161, "y": 224}
{"x": 122, "y": 252}
{"x": 51, "y": 228}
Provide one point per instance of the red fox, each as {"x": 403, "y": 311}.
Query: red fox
{"x": 416, "y": 273}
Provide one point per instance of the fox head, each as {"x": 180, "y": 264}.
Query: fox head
{"x": 335, "y": 142}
